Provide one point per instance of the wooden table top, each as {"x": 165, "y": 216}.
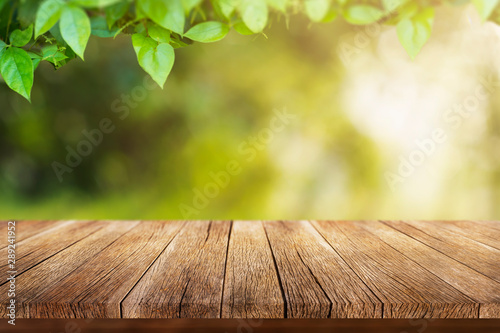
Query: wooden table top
{"x": 269, "y": 269}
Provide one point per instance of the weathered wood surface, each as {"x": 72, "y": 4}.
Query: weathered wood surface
{"x": 97, "y": 288}
{"x": 405, "y": 288}
{"x": 317, "y": 282}
{"x": 34, "y": 250}
{"x": 187, "y": 279}
{"x": 26, "y": 229}
{"x": 481, "y": 257}
{"x": 41, "y": 278}
{"x": 269, "y": 269}
{"x": 252, "y": 286}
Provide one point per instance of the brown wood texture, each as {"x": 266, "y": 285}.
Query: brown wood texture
{"x": 255, "y": 269}
{"x": 36, "y": 249}
{"x": 406, "y": 289}
{"x": 477, "y": 286}
{"x": 474, "y": 231}
{"x": 252, "y": 287}
{"x": 49, "y": 273}
{"x": 26, "y": 229}
{"x": 187, "y": 279}
{"x": 96, "y": 288}
{"x": 491, "y": 224}
{"x": 480, "y": 257}
{"x": 317, "y": 282}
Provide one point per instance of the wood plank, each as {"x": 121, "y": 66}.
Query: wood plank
{"x": 277, "y": 269}
{"x": 251, "y": 287}
{"x": 317, "y": 283}
{"x": 187, "y": 279}
{"x": 406, "y": 289}
{"x": 34, "y": 250}
{"x": 49, "y": 273}
{"x": 491, "y": 224}
{"x": 477, "y": 286}
{"x": 96, "y": 288}
{"x": 475, "y": 231}
{"x": 481, "y": 257}
{"x": 26, "y": 229}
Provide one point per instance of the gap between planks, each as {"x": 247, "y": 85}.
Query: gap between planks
{"x": 370, "y": 235}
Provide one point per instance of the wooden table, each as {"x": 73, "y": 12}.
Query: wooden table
{"x": 271, "y": 269}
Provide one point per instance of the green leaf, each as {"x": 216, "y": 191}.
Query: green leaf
{"x": 167, "y": 14}
{"x": 17, "y": 70}
{"x": 226, "y": 7}
{"x": 34, "y": 55}
{"x": 190, "y": 4}
{"x": 56, "y": 33}
{"x": 316, "y": 10}
{"x": 208, "y": 32}
{"x": 485, "y": 7}
{"x": 36, "y": 58}
{"x": 99, "y": 27}
{"x": 116, "y": 12}
{"x": 139, "y": 41}
{"x": 157, "y": 61}
{"x": 363, "y": 14}
{"x": 176, "y": 43}
{"x": 75, "y": 28}
{"x": 254, "y": 13}
{"x": 52, "y": 54}
{"x": 158, "y": 33}
{"x": 94, "y": 3}
{"x": 140, "y": 29}
{"x": 21, "y": 37}
{"x": 426, "y": 16}
{"x": 47, "y": 16}
{"x": 330, "y": 16}
{"x": 414, "y": 33}
{"x": 3, "y": 46}
{"x": 242, "y": 28}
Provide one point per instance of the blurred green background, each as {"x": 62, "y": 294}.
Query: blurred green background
{"x": 359, "y": 107}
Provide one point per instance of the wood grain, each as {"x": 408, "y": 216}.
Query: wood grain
{"x": 474, "y": 231}
{"x": 49, "y": 273}
{"x": 251, "y": 287}
{"x": 34, "y": 250}
{"x": 187, "y": 279}
{"x": 489, "y": 224}
{"x": 317, "y": 282}
{"x": 406, "y": 289}
{"x": 26, "y": 229}
{"x": 477, "y": 286}
{"x": 253, "y": 270}
{"x": 483, "y": 258}
{"x": 96, "y": 288}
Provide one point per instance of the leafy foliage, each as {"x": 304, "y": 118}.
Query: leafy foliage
{"x": 58, "y": 31}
